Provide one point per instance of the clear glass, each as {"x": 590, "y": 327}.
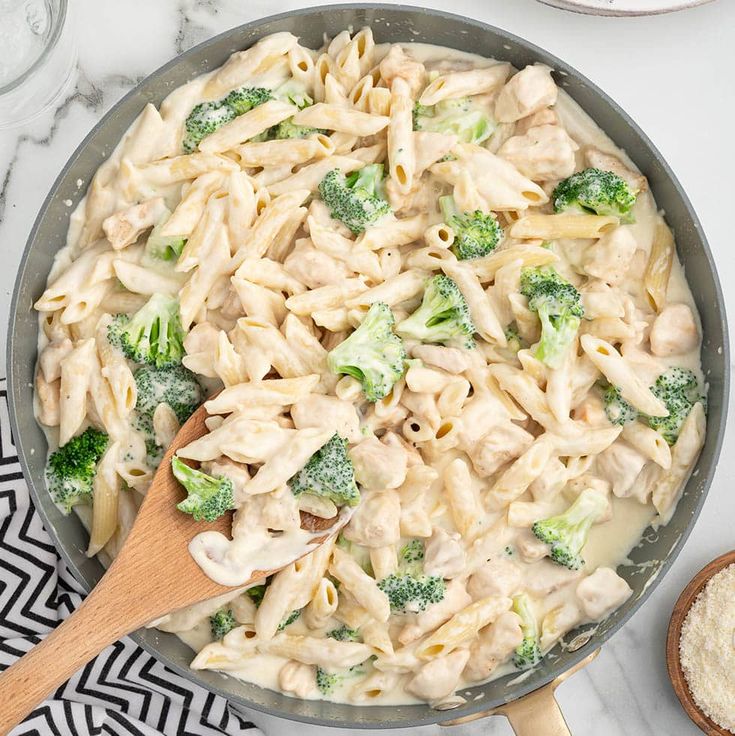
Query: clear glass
{"x": 37, "y": 58}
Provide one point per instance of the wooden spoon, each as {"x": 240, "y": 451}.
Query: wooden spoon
{"x": 153, "y": 575}
{"x": 673, "y": 660}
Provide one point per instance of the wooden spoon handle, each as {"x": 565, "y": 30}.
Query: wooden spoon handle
{"x": 92, "y": 627}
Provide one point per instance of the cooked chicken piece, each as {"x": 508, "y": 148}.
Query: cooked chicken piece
{"x": 544, "y": 153}
{"x": 609, "y": 259}
{"x": 444, "y": 555}
{"x": 546, "y": 577}
{"x": 674, "y": 331}
{"x": 378, "y": 466}
{"x": 313, "y": 267}
{"x": 327, "y": 412}
{"x": 397, "y": 63}
{"x": 439, "y": 677}
{"x": 547, "y": 116}
{"x": 530, "y": 90}
{"x": 607, "y": 162}
{"x": 451, "y": 360}
{"x": 499, "y": 577}
{"x": 621, "y": 464}
{"x": 503, "y": 443}
{"x": 493, "y": 646}
{"x": 376, "y": 521}
{"x": 602, "y": 592}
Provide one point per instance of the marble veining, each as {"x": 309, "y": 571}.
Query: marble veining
{"x": 671, "y": 73}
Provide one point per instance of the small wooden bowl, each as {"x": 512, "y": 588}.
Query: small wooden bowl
{"x": 673, "y": 663}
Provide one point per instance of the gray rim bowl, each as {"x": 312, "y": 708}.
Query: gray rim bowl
{"x": 389, "y": 23}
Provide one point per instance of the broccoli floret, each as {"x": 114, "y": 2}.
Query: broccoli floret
{"x": 206, "y": 117}
{"x": 326, "y": 682}
{"x": 566, "y": 533}
{"x": 163, "y": 247}
{"x": 559, "y": 307}
{"x": 257, "y": 593}
{"x": 443, "y": 316}
{"x": 71, "y": 469}
{"x": 617, "y": 409}
{"x": 679, "y": 390}
{"x": 475, "y": 233}
{"x": 412, "y": 593}
{"x": 176, "y": 386}
{"x": 513, "y": 338}
{"x": 143, "y": 423}
{"x": 203, "y": 120}
{"x": 289, "y": 620}
{"x": 343, "y": 633}
{"x": 288, "y": 129}
{"x": 412, "y": 552}
{"x": 596, "y": 191}
{"x": 328, "y": 473}
{"x": 245, "y": 99}
{"x": 461, "y": 117}
{"x": 223, "y": 622}
{"x": 294, "y": 93}
{"x": 207, "y": 498}
{"x": 372, "y": 354}
{"x": 153, "y": 335}
{"x": 357, "y": 199}
{"x": 528, "y": 652}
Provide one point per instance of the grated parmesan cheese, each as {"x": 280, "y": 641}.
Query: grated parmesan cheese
{"x": 707, "y": 649}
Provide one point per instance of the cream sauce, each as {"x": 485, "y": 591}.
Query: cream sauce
{"x": 231, "y": 562}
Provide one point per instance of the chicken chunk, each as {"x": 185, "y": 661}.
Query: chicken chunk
{"x": 547, "y": 577}
{"x": 498, "y": 577}
{"x": 444, "y": 555}
{"x": 327, "y": 412}
{"x": 547, "y": 116}
{"x": 315, "y": 268}
{"x": 610, "y": 257}
{"x": 602, "y": 592}
{"x": 530, "y": 90}
{"x": 608, "y": 162}
{"x": 378, "y": 466}
{"x": 544, "y": 153}
{"x": 397, "y": 63}
{"x": 376, "y": 521}
{"x": 550, "y": 482}
{"x": 674, "y": 331}
{"x": 50, "y": 359}
{"x": 494, "y": 645}
{"x": 503, "y": 443}
{"x": 451, "y": 360}
{"x": 297, "y": 679}
{"x": 621, "y": 465}
{"x": 439, "y": 677}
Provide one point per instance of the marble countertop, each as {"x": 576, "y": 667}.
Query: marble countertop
{"x": 671, "y": 73}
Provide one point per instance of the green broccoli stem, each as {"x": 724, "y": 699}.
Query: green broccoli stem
{"x": 528, "y": 652}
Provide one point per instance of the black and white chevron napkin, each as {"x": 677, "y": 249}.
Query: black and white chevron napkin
{"x": 124, "y": 691}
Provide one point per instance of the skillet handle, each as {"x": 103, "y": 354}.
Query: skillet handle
{"x": 535, "y": 714}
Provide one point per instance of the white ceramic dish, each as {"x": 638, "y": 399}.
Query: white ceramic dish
{"x": 624, "y": 7}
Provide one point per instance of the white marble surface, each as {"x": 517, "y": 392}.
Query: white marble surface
{"x": 671, "y": 73}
